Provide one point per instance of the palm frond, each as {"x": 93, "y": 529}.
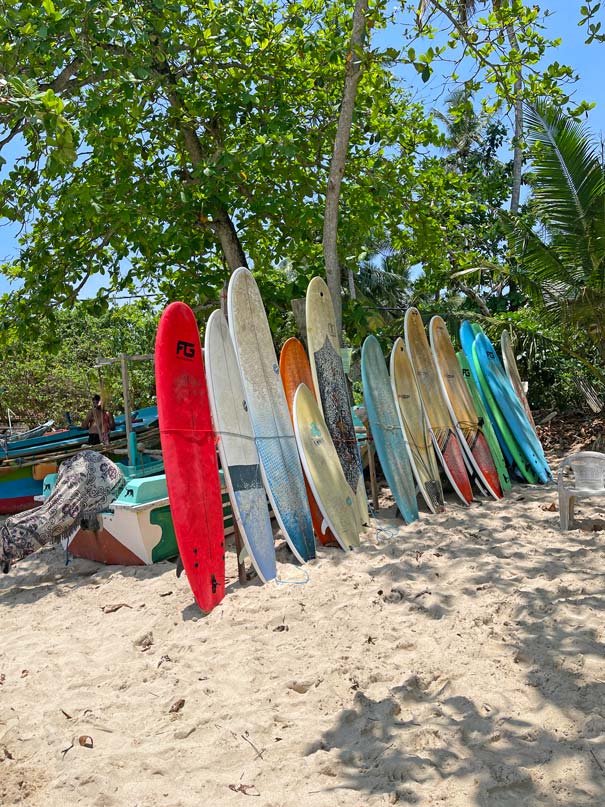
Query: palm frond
{"x": 568, "y": 179}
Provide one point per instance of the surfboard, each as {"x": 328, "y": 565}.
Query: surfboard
{"x": 467, "y": 337}
{"x": 510, "y": 406}
{"x": 445, "y": 442}
{"x": 486, "y": 424}
{"x": 512, "y": 371}
{"x": 294, "y": 369}
{"x": 189, "y": 453}
{"x": 331, "y": 388}
{"x": 461, "y": 408}
{"x": 388, "y": 435}
{"x": 415, "y": 428}
{"x": 323, "y": 470}
{"x": 268, "y": 409}
{"x": 236, "y": 446}
{"x": 509, "y": 445}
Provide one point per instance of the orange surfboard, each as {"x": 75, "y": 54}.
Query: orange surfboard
{"x": 294, "y": 369}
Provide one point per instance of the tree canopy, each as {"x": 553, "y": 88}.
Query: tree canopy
{"x": 164, "y": 144}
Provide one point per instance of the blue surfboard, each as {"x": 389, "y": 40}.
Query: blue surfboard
{"x": 467, "y": 338}
{"x": 386, "y": 428}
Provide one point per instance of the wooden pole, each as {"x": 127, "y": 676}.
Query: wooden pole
{"x": 372, "y": 467}
{"x": 239, "y": 544}
{"x": 127, "y": 412}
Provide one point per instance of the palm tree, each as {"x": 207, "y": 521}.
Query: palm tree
{"x": 561, "y": 263}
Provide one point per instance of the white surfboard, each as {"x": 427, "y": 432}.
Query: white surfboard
{"x": 268, "y": 409}
{"x": 236, "y": 446}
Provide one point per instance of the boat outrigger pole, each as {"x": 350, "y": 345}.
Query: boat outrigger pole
{"x": 123, "y": 360}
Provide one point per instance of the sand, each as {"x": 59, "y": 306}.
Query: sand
{"x": 457, "y": 661}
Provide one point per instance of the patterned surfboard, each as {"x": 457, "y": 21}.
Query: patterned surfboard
{"x": 268, "y": 409}
{"x": 331, "y": 387}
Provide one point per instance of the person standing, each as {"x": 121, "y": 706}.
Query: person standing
{"x": 99, "y": 423}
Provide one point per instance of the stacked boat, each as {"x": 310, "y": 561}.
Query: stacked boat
{"x": 24, "y": 463}
{"x": 286, "y": 436}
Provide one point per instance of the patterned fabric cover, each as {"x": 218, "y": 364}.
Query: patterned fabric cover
{"x": 86, "y": 485}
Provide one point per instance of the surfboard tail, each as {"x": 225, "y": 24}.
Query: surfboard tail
{"x": 486, "y": 465}
{"x": 454, "y": 465}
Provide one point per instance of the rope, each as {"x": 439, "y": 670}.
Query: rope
{"x": 250, "y": 437}
{"x": 389, "y": 534}
{"x": 281, "y": 582}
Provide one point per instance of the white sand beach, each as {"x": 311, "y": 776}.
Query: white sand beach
{"x": 458, "y": 661}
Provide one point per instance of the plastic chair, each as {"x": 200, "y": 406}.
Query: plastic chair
{"x": 588, "y": 468}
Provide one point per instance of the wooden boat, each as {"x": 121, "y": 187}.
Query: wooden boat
{"x": 142, "y": 419}
{"x": 37, "y": 431}
{"x": 25, "y": 464}
{"x": 137, "y": 529}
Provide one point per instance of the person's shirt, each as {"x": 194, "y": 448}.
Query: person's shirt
{"x": 98, "y": 418}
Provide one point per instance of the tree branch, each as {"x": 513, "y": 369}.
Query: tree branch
{"x": 339, "y": 157}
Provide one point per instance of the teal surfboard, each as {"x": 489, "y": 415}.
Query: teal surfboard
{"x": 386, "y": 428}
{"x": 486, "y": 358}
{"x": 467, "y": 335}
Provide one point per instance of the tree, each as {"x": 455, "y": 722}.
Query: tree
{"x": 39, "y": 384}
{"x": 198, "y": 136}
{"x": 167, "y": 144}
{"x": 560, "y": 262}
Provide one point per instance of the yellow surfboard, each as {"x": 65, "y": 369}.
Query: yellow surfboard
{"x": 462, "y": 409}
{"x": 331, "y": 387}
{"x": 323, "y": 469}
{"x": 415, "y": 427}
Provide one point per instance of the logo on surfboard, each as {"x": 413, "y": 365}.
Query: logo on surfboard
{"x": 185, "y": 349}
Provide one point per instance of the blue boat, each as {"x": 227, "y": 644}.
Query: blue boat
{"x": 25, "y": 463}
{"x": 57, "y": 441}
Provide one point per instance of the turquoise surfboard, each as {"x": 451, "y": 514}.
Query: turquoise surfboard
{"x": 510, "y": 406}
{"x": 386, "y": 428}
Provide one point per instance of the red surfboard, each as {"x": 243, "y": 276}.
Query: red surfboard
{"x": 189, "y": 452}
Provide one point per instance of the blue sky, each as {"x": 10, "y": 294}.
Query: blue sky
{"x": 586, "y": 60}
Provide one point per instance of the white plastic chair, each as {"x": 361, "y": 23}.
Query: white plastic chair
{"x": 588, "y": 468}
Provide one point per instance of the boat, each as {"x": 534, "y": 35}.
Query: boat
{"x": 142, "y": 419}
{"x": 37, "y": 431}
{"x": 25, "y": 463}
{"x": 137, "y": 529}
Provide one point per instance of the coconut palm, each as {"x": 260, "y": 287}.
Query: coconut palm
{"x": 561, "y": 262}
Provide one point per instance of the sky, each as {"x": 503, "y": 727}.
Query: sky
{"x": 586, "y": 60}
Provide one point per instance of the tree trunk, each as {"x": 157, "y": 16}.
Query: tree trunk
{"x": 518, "y": 133}
{"x": 223, "y": 226}
{"x": 221, "y": 223}
{"x": 339, "y": 158}
{"x": 517, "y": 140}
{"x": 476, "y": 298}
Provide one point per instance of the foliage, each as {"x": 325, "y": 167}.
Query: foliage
{"x": 38, "y": 384}
{"x": 561, "y": 261}
{"x": 189, "y": 121}
{"x": 499, "y": 38}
